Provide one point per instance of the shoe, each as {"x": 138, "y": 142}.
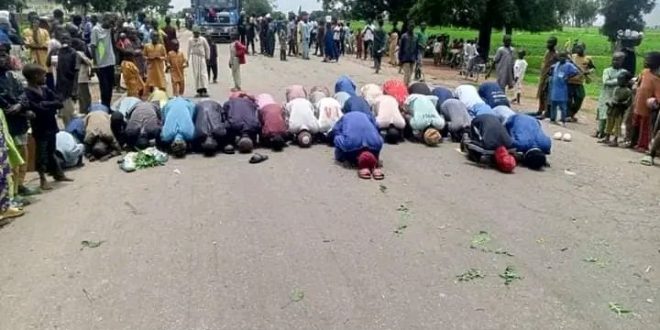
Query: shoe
{"x": 25, "y": 191}
{"x": 258, "y": 158}
{"x": 11, "y": 213}
{"x": 229, "y": 149}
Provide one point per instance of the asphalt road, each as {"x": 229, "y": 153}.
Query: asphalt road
{"x": 298, "y": 242}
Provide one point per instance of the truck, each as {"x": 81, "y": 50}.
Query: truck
{"x": 217, "y": 20}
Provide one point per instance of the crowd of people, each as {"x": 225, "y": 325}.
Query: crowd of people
{"x": 62, "y": 57}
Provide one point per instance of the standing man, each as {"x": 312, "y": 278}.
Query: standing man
{"x": 104, "y": 58}
{"x": 170, "y": 34}
{"x": 306, "y": 34}
{"x": 576, "y": 92}
{"x": 212, "y": 62}
{"x": 379, "y": 44}
{"x": 368, "y": 38}
{"x": 504, "y": 61}
{"x": 549, "y": 60}
{"x": 263, "y": 30}
{"x": 422, "y": 39}
{"x": 291, "y": 35}
{"x": 199, "y": 53}
{"x": 320, "y": 39}
{"x": 408, "y": 52}
{"x": 251, "y": 33}
{"x": 242, "y": 27}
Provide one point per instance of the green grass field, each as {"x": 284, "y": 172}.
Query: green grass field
{"x": 598, "y": 47}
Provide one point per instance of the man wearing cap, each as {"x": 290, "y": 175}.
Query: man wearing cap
{"x": 243, "y": 120}
{"x": 273, "y": 126}
{"x": 143, "y": 125}
{"x": 210, "y": 126}
{"x": 178, "y": 128}
{"x": 302, "y": 121}
{"x": 100, "y": 142}
{"x": 529, "y": 140}
{"x": 424, "y": 119}
{"x": 485, "y": 141}
{"x": 358, "y": 142}
{"x": 389, "y": 118}
{"x": 457, "y": 117}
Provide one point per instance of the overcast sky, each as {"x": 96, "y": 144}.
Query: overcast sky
{"x": 282, "y": 5}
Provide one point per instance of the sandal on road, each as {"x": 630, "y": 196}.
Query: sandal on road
{"x": 364, "y": 173}
{"x": 647, "y": 161}
{"x": 378, "y": 174}
{"x": 258, "y": 158}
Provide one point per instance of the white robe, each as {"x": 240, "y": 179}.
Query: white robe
{"x": 198, "y": 53}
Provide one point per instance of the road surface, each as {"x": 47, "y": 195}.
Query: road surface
{"x": 298, "y": 242}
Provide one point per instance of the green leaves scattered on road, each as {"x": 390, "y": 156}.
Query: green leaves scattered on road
{"x": 296, "y": 295}
{"x": 404, "y": 217}
{"x": 383, "y": 188}
{"x": 90, "y": 244}
{"x": 596, "y": 261}
{"x": 469, "y": 275}
{"x": 510, "y": 275}
{"x": 618, "y": 309}
{"x": 481, "y": 241}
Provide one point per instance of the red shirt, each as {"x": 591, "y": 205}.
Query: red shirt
{"x": 272, "y": 120}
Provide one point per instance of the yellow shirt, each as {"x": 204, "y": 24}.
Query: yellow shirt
{"x": 38, "y": 38}
{"x": 584, "y": 64}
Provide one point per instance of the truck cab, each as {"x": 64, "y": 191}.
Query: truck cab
{"x": 217, "y": 19}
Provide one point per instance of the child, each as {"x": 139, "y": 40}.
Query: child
{"x": 519, "y": 69}
{"x": 41, "y": 105}
{"x": 132, "y": 78}
{"x": 85, "y": 64}
{"x": 617, "y": 107}
{"x": 237, "y": 53}
{"x": 561, "y": 72}
{"x": 177, "y": 62}
{"x": 610, "y": 82}
{"x": 155, "y": 54}
{"x": 437, "y": 51}
{"x": 282, "y": 39}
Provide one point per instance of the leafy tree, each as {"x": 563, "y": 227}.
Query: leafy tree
{"x": 583, "y": 12}
{"x": 257, "y": 7}
{"x": 624, "y": 14}
{"x": 278, "y": 16}
{"x": 484, "y": 15}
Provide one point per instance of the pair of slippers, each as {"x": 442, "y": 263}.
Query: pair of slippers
{"x": 376, "y": 174}
{"x": 258, "y": 158}
{"x": 566, "y": 137}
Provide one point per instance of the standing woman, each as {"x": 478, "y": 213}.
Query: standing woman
{"x": 198, "y": 53}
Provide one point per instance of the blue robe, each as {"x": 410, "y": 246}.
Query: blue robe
{"x": 481, "y": 109}
{"x": 345, "y": 84}
{"x": 354, "y": 132}
{"x": 443, "y": 95}
{"x": 493, "y": 94}
{"x": 527, "y": 133}
{"x": 356, "y": 103}
{"x": 331, "y": 50}
{"x": 178, "y": 113}
{"x": 76, "y": 127}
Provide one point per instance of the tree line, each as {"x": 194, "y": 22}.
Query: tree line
{"x": 484, "y": 15}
